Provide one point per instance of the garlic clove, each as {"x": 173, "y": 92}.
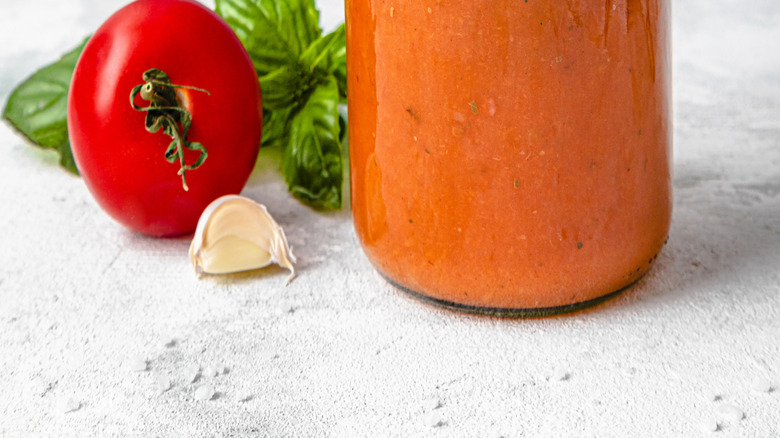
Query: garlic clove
{"x": 234, "y": 234}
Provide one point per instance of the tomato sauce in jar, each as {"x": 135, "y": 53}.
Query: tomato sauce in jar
{"x": 510, "y": 157}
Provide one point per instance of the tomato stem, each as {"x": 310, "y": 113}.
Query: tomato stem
{"x": 167, "y": 113}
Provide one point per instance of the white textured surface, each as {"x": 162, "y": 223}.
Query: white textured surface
{"x": 339, "y": 352}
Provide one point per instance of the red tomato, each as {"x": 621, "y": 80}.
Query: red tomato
{"x": 124, "y": 165}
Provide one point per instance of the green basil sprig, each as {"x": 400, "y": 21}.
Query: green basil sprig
{"x": 302, "y": 75}
{"x": 303, "y": 78}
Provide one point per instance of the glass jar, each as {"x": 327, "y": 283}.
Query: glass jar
{"x": 510, "y": 157}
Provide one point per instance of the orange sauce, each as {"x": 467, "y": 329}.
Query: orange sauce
{"x": 510, "y": 154}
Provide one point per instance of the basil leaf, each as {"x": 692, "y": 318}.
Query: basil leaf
{"x": 311, "y": 162}
{"x": 278, "y": 87}
{"x": 274, "y": 32}
{"x": 276, "y": 125}
{"x": 37, "y": 108}
{"x": 287, "y": 86}
{"x": 337, "y": 51}
{"x": 323, "y": 54}
{"x": 293, "y": 83}
{"x": 339, "y": 59}
{"x": 303, "y": 78}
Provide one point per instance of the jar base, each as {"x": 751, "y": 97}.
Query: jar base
{"x": 502, "y": 312}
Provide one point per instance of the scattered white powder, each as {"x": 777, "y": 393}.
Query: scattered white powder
{"x": 162, "y": 382}
{"x": 709, "y": 425}
{"x": 205, "y": 392}
{"x": 433, "y": 419}
{"x": 71, "y": 405}
{"x": 761, "y": 384}
{"x": 630, "y": 371}
{"x": 210, "y": 371}
{"x": 266, "y": 354}
{"x": 191, "y": 373}
{"x": 731, "y": 413}
{"x": 245, "y": 397}
{"x": 214, "y": 370}
{"x": 431, "y": 404}
{"x": 138, "y": 363}
{"x": 284, "y": 308}
{"x": 40, "y": 387}
{"x": 560, "y": 375}
{"x": 527, "y": 383}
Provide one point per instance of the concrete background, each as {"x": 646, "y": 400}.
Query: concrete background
{"x": 339, "y": 352}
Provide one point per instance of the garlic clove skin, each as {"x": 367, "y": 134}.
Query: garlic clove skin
{"x": 234, "y": 234}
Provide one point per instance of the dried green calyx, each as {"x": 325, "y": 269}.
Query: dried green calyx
{"x": 167, "y": 113}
